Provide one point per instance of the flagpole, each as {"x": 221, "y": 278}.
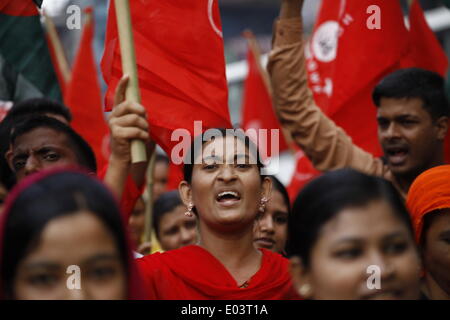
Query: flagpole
{"x": 149, "y": 205}
{"x": 61, "y": 59}
{"x": 138, "y": 152}
{"x": 253, "y": 45}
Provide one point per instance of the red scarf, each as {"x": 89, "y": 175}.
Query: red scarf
{"x": 192, "y": 273}
{"x": 430, "y": 191}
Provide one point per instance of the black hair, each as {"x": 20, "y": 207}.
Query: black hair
{"x": 39, "y": 106}
{"x": 277, "y": 185}
{"x": 18, "y": 113}
{"x": 167, "y": 202}
{"x": 83, "y": 151}
{"x": 161, "y": 158}
{"x": 210, "y": 135}
{"x": 56, "y": 195}
{"x": 415, "y": 83}
{"x": 326, "y": 196}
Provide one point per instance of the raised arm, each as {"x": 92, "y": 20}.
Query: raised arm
{"x": 325, "y": 144}
{"x": 127, "y": 122}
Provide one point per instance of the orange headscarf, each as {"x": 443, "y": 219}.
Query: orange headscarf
{"x": 430, "y": 191}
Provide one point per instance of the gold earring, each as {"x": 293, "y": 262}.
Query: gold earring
{"x": 305, "y": 290}
{"x": 189, "y": 212}
{"x": 262, "y": 206}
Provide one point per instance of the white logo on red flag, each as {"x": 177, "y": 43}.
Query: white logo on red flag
{"x": 325, "y": 41}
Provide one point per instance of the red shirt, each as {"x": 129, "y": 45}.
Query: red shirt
{"x": 192, "y": 273}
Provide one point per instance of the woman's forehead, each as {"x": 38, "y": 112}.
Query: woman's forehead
{"x": 226, "y": 148}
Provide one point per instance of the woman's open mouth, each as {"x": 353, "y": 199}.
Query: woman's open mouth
{"x": 228, "y": 198}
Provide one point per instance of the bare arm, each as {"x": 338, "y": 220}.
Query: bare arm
{"x": 127, "y": 122}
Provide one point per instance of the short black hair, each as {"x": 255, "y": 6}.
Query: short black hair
{"x": 167, "y": 202}
{"x": 161, "y": 158}
{"x": 18, "y": 113}
{"x": 83, "y": 151}
{"x": 209, "y": 135}
{"x": 39, "y": 106}
{"x": 326, "y": 196}
{"x": 415, "y": 83}
{"x": 59, "y": 194}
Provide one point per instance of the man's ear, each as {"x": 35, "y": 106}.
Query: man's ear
{"x": 184, "y": 188}
{"x": 442, "y": 127}
{"x": 300, "y": 277}
{"x": 267, "y": 188}
{"x": 9, "y": 158}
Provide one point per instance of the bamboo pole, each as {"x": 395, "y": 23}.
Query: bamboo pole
{"x": 61, "y": 59}
{"x": 138, "y": 152}
{"x": 149, "y": 204}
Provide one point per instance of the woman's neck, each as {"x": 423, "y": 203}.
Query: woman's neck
{"x": 234, "y": 250}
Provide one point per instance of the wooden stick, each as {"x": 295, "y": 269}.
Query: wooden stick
{"x": 138, "y": 152}
{"x": 149, "y": 205}
{"x": 61, "y": 59}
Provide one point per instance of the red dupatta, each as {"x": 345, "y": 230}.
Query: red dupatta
{"x": 192, "y": 273}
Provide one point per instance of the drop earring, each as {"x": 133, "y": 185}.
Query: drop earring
{"x": 262, "y": 206}
{"x": 189, "y": 212}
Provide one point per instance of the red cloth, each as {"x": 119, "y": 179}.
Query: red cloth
{"x": 130, "y": 195}
{"x": 180, "y": 61}
{"x": 83, "y": 97}
{"x": 430, "y": 191}
{"x": 304, "y": 173}
{"x": 18, "y": 8}
{"x": 343, "y": 83}
{"x": 426, "y": 51}
{"x": 257, "y": 110}
{"x": 136, "y": 291}
{"x": 192, "y": 273}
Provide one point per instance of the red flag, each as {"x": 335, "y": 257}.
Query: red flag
{"x": 83, "y": 96}
{"x": 353, "y": 46}
{"x": 426, "y": 51}
{"x": 257, "y": 110}
{"x": 304, "y": 173}
{"x": 19, "y": 8}
{"x": 181, "y": 65}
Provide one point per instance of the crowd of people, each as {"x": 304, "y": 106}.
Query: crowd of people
{"x": 366, "y": 228}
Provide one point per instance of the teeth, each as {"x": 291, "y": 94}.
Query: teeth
{"x": 234, "y": 194}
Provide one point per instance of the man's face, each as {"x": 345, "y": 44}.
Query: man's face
{"x": 40, "y": 149}
{"x": 408, "y": 135}
{"x": 160, "y": 177}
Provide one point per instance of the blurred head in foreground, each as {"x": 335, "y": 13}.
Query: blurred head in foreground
{"x": 62, "y": 237}
{"x": 350, "y": 237}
